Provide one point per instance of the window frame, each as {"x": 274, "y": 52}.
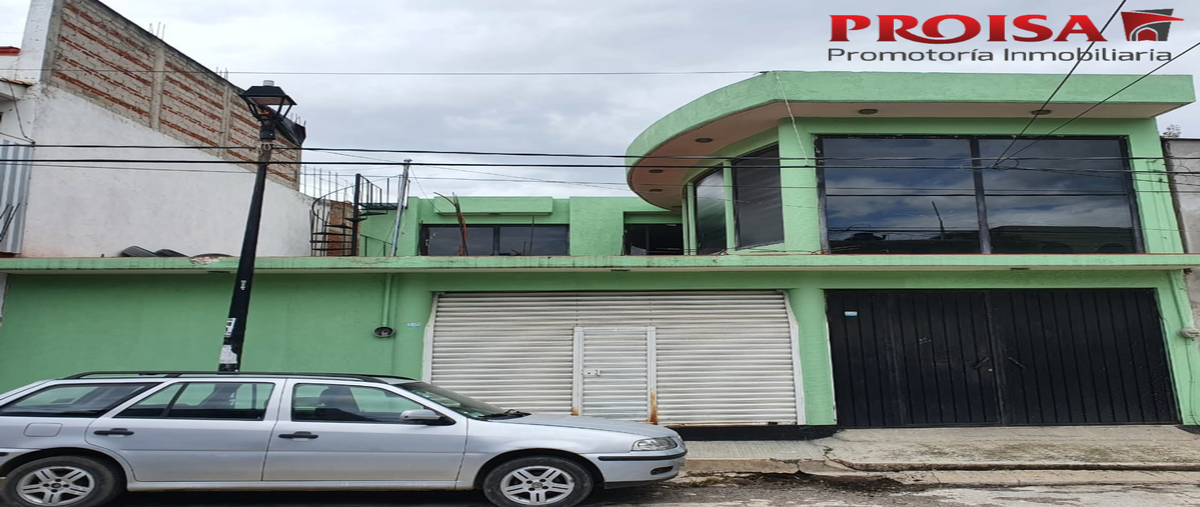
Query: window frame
{"x": 980, "y": 192}
{"x": 290, "y": 406}
{"x": 145, "y": 388}
{"x": 496, "y": 232}
{"x": 737, "y": 200}
{"x": 165, "y": 415}
{"x": 695, "y": 218}
{"x": 626, "y": 246}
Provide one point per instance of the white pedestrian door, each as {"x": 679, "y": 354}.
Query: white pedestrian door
{"x": 614, "y": 372}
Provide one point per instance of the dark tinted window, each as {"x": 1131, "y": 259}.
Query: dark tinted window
{"x": 710, "y": 214}
{"x": 340, "y": 403}
{"x": 1059, "y": 195}
{"x": 446, "y": 240}
{"x": 899, "y": 206}
{"x": 246, "y": 401}
{"x": 533, "y": 240}
{"x": 653, "y": 239}
{"x": 487, "y": 240}
{"x": 1051, "y": 205}
{"x": 757, "y": 202}
{"x": 74, "y": 400}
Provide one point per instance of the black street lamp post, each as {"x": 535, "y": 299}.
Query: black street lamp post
{"x": 269, "y": 105}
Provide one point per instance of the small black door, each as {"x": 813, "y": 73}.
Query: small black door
{"x": 1082, "y": 357}
{"x": 913, "y": 358}
{"x": 1042, "y": 357}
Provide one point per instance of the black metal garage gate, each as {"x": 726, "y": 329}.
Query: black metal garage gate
{"x": 1033, "y": 357}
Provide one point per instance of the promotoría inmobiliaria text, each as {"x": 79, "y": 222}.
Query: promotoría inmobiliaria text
{"x": 1008, "y": 55}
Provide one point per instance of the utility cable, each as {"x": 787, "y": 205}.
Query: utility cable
{"x": 386, "y": 73}
{"x": 1060, "y": 85}
{"x": 345, "y": 151}
{"x": 1098, "y": 104}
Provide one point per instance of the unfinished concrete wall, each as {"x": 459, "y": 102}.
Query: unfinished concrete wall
{"x": 99, "y": 55}
{"x": 1183, "y": 157}
{"x": 88, "y": 76}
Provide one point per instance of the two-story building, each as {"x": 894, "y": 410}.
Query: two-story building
{"x": 805, "y": 248}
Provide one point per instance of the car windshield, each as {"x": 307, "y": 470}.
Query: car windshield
{"x": 472, "y": 408}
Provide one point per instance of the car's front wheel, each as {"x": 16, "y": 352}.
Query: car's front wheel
{"x": 61, "y": 481}
{"x": 544, "y": 481}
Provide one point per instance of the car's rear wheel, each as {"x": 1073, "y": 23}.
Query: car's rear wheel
{"x": 61, "y": 481}
{"x": 544, "y": 481}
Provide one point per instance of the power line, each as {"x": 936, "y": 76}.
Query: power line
{"x": 524, "y": 179}
{"x": 1065, "y": 170}
{"x": 1060, "y": 85}
{"x": 414, "y": 74}
{"x": 345, "y": 151}
{"x": 1098, "y": 104}
{"x": 968, "y": 212}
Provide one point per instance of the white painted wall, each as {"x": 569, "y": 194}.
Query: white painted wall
{"x": 93, "y": 212}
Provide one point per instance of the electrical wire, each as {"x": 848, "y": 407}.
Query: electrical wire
{"x": 345, "y": 151}
{"x": 1098, "y": 104}
{"x": 522, "y": 179}
{"x": 581, "y": 166}
{"x": 435, "y": 74}
{"x": 971, "y": 212}
{"x": 1060, "y": 85}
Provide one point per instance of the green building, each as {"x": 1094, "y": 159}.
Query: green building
{"x": 805, "y": 248}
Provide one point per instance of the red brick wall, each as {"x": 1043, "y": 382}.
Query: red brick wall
{"x": 116, "y": 64}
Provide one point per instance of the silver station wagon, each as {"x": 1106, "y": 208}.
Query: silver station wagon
{"x": 82, "y": 440}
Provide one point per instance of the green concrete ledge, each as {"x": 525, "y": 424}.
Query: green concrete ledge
{"x": 920, "y": 87}
{"x": 781, "y": 262}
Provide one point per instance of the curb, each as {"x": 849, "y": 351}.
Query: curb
{"x": 984, "y": 466}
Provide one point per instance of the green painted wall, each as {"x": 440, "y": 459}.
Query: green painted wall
{"x": 60, "y": 324}
{"x": 597, "y": 224}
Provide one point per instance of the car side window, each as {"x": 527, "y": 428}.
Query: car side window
{"x": 73, "y": 400}
{"x": 340, "y": 403}
{"x": 242, "y": 401}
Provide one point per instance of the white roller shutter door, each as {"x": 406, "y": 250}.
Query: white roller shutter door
{"x": 721, "y": 357}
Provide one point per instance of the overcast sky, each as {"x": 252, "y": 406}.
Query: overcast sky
{"x": 559, "y": 114}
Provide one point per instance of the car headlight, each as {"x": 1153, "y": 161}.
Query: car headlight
{"x": 654, "y": 444}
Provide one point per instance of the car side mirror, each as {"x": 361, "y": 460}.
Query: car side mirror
{"x": 422, "y": 416}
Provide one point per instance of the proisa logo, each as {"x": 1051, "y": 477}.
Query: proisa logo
{"x": 1149, "y": 25}
{"x": 1139, "y": 26}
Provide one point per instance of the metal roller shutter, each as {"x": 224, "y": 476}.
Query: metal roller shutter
{"x": 719, "y": 357}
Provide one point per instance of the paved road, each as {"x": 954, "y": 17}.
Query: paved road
{"x": 757, "y": 493}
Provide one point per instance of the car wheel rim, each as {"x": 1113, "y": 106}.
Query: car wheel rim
{"x": 56, "y": 485}
{"x": 537, "y": 485}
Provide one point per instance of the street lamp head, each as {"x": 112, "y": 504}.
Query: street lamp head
{"x": 262, "y": 98}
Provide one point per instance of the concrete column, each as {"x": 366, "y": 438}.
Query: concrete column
{"x": 802, "y": 216}
{"x": 808, "y": 306}
{"x": 411, "y": 305}
{"x": 156, "y": 91}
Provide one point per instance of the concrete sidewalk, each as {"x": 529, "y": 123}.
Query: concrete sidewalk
{"x": 1010, "y": 456}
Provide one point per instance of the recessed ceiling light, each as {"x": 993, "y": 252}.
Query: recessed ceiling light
{"x": 656, "y": 190}
{"x": 1039, "y": 112}
{"x": 868, "y": 111}
{"x": 655, "y": 171}
{"x": 704, "y": 140}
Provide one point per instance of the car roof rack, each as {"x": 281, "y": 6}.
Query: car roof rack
{"x": 177, "y": 374}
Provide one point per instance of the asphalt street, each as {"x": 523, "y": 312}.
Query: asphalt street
{"x": 783, "y": 491}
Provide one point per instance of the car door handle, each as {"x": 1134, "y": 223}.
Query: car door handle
{"x": 298, "y": 434}
{"x": 114, "y": 431}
